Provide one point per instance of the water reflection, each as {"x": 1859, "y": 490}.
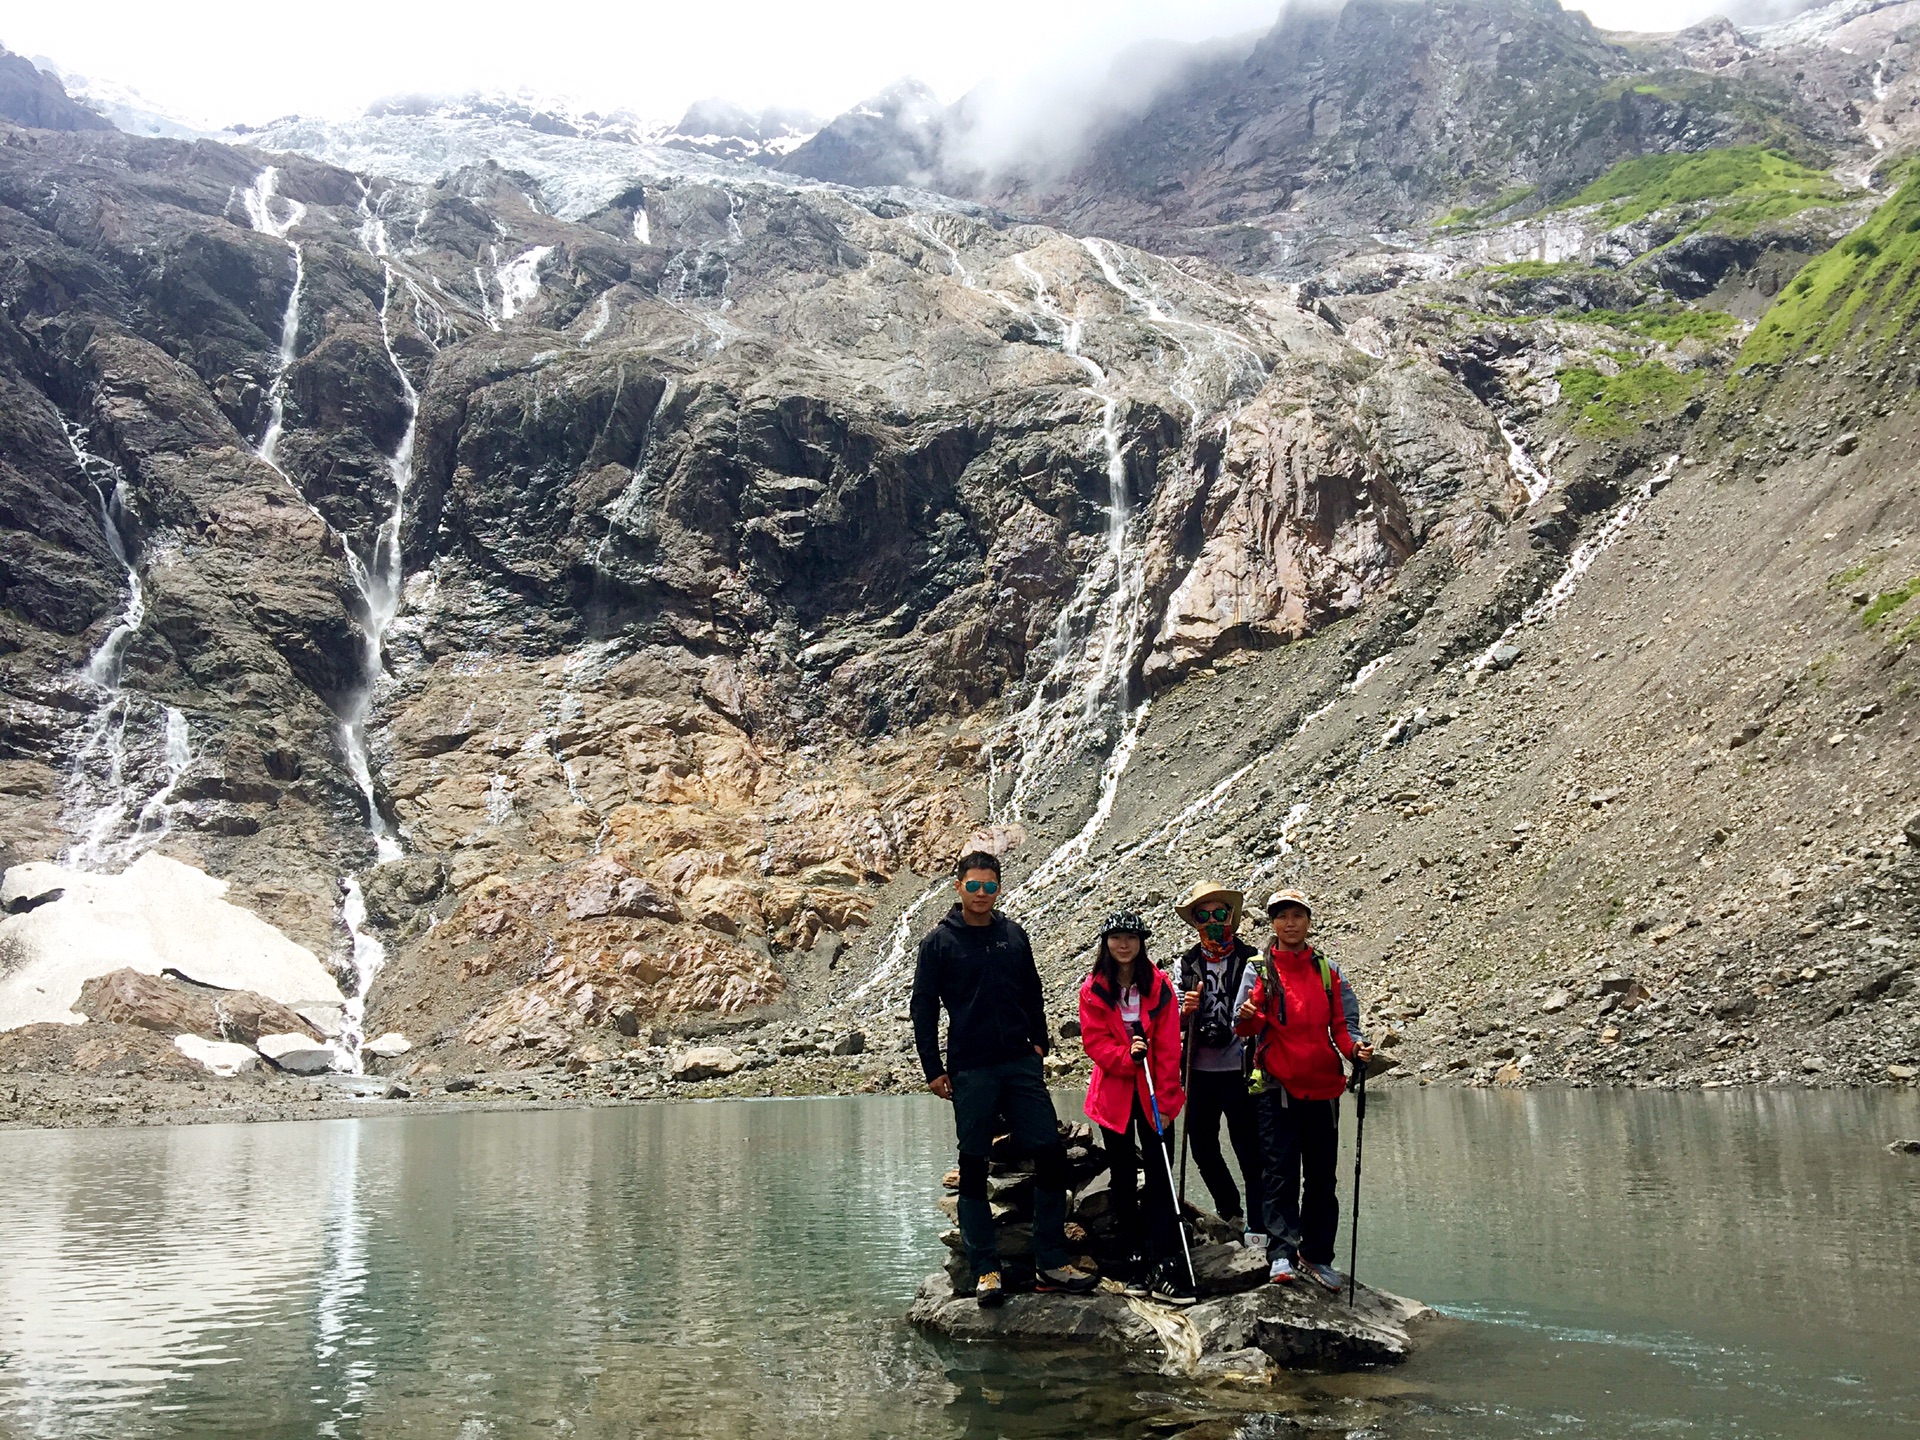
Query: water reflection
{"x": 1734, "y": 1264}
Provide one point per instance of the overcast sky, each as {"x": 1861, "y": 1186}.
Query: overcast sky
{"x": 223, "y": 61}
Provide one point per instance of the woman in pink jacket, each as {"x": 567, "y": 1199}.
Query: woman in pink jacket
{"x": 1130, "y": 1023}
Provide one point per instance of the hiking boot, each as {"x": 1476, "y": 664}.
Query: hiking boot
{"x": 1171, "y": 1286}
{"x": 1325, "y": 1276}
{"x": 1281, "y": 1271}
{"x": 989, "y": 1292}
{"x": 1065, "y": 1280}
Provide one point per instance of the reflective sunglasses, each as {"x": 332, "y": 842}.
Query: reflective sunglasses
{"x": 1224, "y": 913}
{"x": 975, "y": 887}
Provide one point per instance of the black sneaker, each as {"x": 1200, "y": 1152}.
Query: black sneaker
{"x": 1065, "y": 1281}
{"x": 1171, "y": 1287}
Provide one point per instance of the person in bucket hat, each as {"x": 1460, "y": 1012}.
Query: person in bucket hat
{"x": 1299, "y": 1016}
{"x": 1209, "y": 978}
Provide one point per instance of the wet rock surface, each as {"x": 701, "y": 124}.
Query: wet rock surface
{"x": 1244, "y": 1336}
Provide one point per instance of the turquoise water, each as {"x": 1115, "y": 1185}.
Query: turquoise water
{"x": 1727, "y": 1264}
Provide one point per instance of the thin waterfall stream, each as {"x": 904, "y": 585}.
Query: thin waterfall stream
{"x": 259, "y": 198}
{"x": 1115, "y": 587}
{"x": 380, "y": 578}
{"x": 112, "y": 816}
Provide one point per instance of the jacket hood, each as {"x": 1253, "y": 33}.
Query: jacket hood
{"x": 1091, "y": 986}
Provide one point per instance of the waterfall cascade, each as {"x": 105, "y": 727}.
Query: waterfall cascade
{"x": 112, "y": 814}
{"x": 1069, "y": 707}
{"x": 379, "y": 576}
{"x": 260, "y": 200}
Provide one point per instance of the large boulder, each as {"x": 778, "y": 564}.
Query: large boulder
{"x": 174, "y": 1007}
{"x": 706, "y": 1062}
{"x": 156, "y": 915}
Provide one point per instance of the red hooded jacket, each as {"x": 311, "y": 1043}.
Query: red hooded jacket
{"x": 1297, "y": 1030}
{"x": 1116, "y": 1079}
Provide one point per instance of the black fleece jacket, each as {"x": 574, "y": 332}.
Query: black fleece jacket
{"x": 985, "y": 977}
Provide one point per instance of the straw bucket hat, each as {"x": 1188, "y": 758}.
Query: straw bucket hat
{"x": 1207, "y": 890}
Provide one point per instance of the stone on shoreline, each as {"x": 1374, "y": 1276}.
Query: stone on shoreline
{"x": 1294, "y": 1326}
{"x": 298, "y": 1054}
{"x": 706, "y": 1062}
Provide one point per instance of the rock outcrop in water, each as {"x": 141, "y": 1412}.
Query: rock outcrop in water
{"x": 1241, "y": 1329}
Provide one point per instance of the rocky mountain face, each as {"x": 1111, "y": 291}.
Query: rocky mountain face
{"x": 30, "y": 96}
{"x": 1347, "y": 120}
{"x": 591, "y": 605}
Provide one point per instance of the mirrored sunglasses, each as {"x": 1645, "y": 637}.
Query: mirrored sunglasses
{"x": 976, "y": 887}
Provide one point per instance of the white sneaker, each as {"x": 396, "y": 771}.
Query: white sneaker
{"x": 1281, "y": 1271}
{"x": 1254, "y": 1240}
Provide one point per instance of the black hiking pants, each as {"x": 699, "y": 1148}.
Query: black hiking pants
{"x": 1301, "y": 1141}
{"x": 1155, "y": 1234}
{"x": 1213, "y": 1096}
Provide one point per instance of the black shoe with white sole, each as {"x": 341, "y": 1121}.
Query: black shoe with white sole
{"x": 1171, "y": 1286}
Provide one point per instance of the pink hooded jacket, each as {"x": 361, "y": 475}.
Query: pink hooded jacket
{"x": 1116, "y": 1079}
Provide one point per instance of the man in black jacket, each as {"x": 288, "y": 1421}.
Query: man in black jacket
{"x": 979, "y": 966}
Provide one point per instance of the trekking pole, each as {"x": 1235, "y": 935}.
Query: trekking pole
{"x": 1160, "y": 1136}
{"x": 1359, "y": 1147}
{"x": 1186, "y": 1125}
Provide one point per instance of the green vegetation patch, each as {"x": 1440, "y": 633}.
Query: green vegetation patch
{"x": 1864, "y": 290}
{"x": 1841, "y": 579}
{"x": 1757, "y": 185}
{"x": 1888, "y": 601}
{"x": 1533, "y": 269}
{"x": 1504, "y": 201}
{"x": 1668, "y": 324}
{"x": 1643, "y": 392}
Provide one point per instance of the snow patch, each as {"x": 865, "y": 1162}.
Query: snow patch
{"x": 156, "y": 915}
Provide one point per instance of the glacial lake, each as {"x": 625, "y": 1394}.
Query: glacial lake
{"x": 1620, "y": 1264}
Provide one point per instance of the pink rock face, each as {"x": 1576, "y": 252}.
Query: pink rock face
{"x": 1303, "y": 524}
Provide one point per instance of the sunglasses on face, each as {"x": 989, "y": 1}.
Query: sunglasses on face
{"x": 977, "y": 887}
{"x": 1221, "y": 914}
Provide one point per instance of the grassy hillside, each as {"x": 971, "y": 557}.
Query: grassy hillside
{"x": 1748, "y": 185}
{"x": 1863, "y": 292}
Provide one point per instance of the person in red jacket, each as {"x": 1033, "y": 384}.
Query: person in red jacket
{"x": 1130, "y": 1024}
{"x": 1298, "y": 1032}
